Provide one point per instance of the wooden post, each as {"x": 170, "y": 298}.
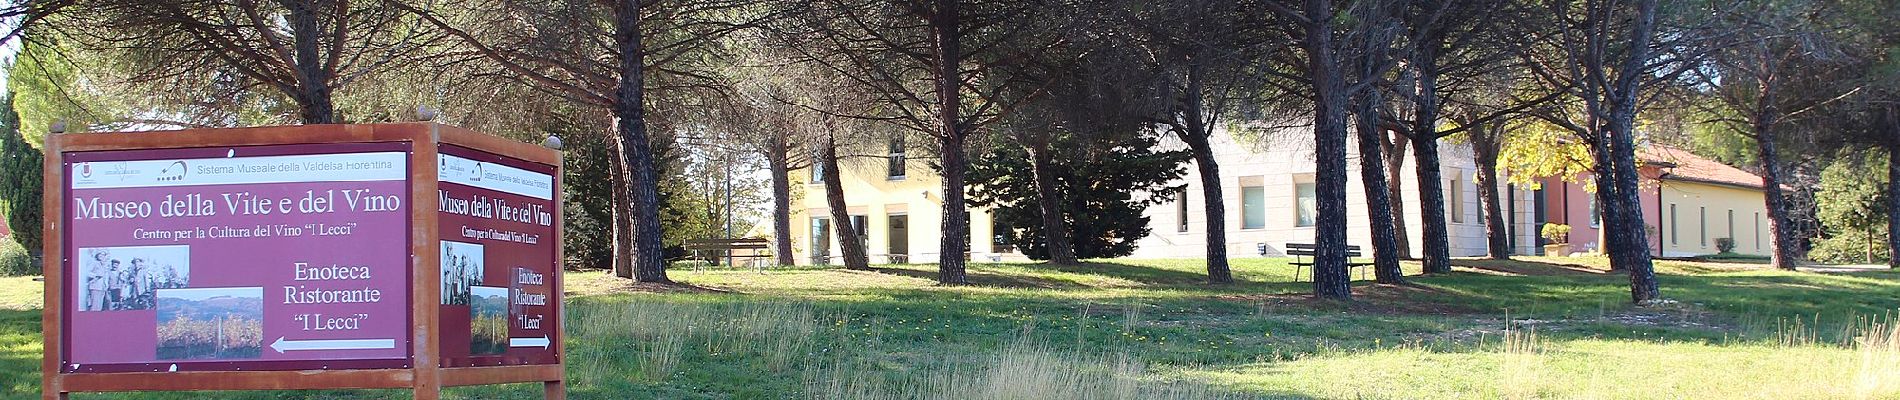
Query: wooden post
{"x": 557, "y": 389}
{"x": 53, "y": 265}
{"x": 425, "y": 310}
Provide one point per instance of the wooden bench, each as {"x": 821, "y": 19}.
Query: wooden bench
{"x": 723, "y": 248}
{"x": 1303, "y": 257}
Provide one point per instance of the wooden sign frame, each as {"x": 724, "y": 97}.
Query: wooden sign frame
{"x": 425, "y": 377}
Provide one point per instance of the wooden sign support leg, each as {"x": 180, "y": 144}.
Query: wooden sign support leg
{"x": 53, "y": 267}
{"x": 557, "y": 390}
{"x": 426, "y": 307}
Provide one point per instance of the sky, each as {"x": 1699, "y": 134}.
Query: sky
{"x": 207, "y": 293}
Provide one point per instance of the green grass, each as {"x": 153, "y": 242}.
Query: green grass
{"x": 1734, "y": 258}
{"x": 1137, "y": 329}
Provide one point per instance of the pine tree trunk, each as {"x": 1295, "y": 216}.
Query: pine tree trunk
{"x": 1484, "y": 142}
{"x": 1394, "y": 147}
{"x": 849, "y": 242}
{"x": 1055, "y": 229}
{"x": 1431, "y": 184}
{"x": 622, "y": 213}
{"x": 1331, "y": 280}
{"x": 956, "y": 216}
{"x": 1385, "y": 255}
{"x": 1893, "y": 194}
{"x": 1785, "y": 253}
{"x": 1634, "y": 256}
{"x": 781, "y": 199}
{"x": 1431, "y": 202}
{"x": 946, "y": 41}
{"x": 1214, "y": 206}
{"x": 1608, "y": 219}
{"x": 313, "y": 80}
{"x": 649, "y": 264}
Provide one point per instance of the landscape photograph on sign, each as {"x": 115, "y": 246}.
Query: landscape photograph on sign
{"x": 461, "y": 270}
{"x": 488, "y": 320}
{"x": 125, "y": 278}
{"x": 210, "y": 323}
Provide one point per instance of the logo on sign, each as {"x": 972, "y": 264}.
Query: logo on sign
{"x": 85, "y": 170}
{"x": 478, "y": 173}
{"x": 174, "y": 172}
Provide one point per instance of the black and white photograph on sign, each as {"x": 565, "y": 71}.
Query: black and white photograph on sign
{"x": 461, "y": 270}
{"x": 210, "y": 323}
{"x": 488, "y": 320}
{"x": 125, "y": 278}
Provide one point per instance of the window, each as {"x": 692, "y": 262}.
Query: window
{"x": 1672, "y": 224}
{"x": 1702, "y": 237}
{"x": 1181, "y": 210}
{"x": 820, "y": 241}
{"x": 899, "y": 242}
{"x": 1253, "y": 207}
{"x": 1731, "y": 226}
{"x": 1758, "y": 231}
{"x": 858, "y": 223}
{"x": 1455, "y": 195}
{"x": 894, "y": 165}
{"x": 1596, "y": 214}
{"x": 1305, "y": 204}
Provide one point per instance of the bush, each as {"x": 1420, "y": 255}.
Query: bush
{"x": 1556, "y": 233}
{"x": 1850, "y": 249}
{"x": 14, "y": 260}
{"x": 1725, "y": 245}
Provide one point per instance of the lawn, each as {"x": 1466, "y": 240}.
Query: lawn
{"x": 1141, "y": 329}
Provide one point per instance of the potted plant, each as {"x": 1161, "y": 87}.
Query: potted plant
{"x": 1557, "y": 238}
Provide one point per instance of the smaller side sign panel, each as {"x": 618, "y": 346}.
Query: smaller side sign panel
{"x": 497, "y": 215}
{"x": 240, "y": 258}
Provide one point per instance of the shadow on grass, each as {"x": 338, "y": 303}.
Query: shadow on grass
{"x": 1038, "y": 276}
{"x": 625, "y": 286}
{"x": 979, "y": 277}
{"x": 1526, "y": 268}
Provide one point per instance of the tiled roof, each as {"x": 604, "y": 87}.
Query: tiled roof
{"x": 1685, "y": 166}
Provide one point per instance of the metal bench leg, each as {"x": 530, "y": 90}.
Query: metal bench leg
{"x": 1297, "y": 269}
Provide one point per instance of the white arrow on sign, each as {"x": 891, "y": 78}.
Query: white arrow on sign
{"x": 541, "y": 342}
{"x": 282, "y": 345}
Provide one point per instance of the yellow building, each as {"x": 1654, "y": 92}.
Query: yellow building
{"x": 1688, "y": 203}
{"x": 898, "y": 205}
{"x": 1268, "y": 196}
{"x": 1701, "y": 200}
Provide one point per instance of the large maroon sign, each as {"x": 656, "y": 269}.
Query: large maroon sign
{"x": 499, "y": 263}
{"x": 247, "y": 258}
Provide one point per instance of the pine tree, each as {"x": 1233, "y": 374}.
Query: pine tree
{"x": 20, "y": 186}
{"x": 1104, "y": 184}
